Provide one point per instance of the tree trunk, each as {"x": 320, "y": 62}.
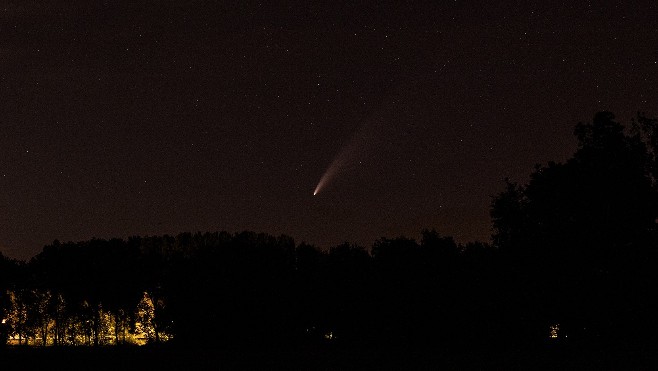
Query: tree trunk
{"x": 96, "y": 326}
{"x": 56, "y": 335}
{"x": 95, "y": 333}
{"x": 116, "y": 328}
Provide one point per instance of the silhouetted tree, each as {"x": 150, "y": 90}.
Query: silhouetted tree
{"x": 8, "y": 275}
{"x": 580, "y": 236}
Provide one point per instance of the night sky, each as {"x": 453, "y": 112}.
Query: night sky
{"x": 163, "y": 117}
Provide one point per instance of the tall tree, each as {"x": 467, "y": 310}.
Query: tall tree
{"x": 579, "y": 236}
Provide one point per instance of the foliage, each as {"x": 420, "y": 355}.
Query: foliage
{"x": 574, "y": 250}
{"x": 580, "y": 236}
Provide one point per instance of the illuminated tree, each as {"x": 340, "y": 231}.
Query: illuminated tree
{"x": 145, "y": 319}
{"x": 18, "y": 319}
{"x": 57, "y": 308}
{"x": 40, "y": 314}
{"x": 5, "y": 308}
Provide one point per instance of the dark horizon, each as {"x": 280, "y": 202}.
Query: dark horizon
{"x": 569, "y": 279}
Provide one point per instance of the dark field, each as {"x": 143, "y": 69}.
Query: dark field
{"x": 329, "y": 358}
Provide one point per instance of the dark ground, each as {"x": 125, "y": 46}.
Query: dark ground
{"x": 329, "y": 358}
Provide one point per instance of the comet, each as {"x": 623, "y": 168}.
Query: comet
{"x": 349, "y": 156}
{"x": 368, "y": 134}
{"x": 328, "y": 174}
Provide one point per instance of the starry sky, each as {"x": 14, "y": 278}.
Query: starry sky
{"x": 122, "y": 118}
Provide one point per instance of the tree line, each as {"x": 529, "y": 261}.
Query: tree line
{"x": 572, "y": 260}
{"x": 243, "y": 288}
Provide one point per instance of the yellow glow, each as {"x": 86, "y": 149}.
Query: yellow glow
{"x": 554, "y": 331}
{"x": 110, "y": 328}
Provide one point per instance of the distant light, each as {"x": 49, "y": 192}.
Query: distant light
{"x": 4, "y": 321}
{"x": 554, "y": 331}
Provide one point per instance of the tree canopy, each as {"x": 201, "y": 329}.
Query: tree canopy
{"x": 573, "y": 254}
{"x": 580, "y": 236}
